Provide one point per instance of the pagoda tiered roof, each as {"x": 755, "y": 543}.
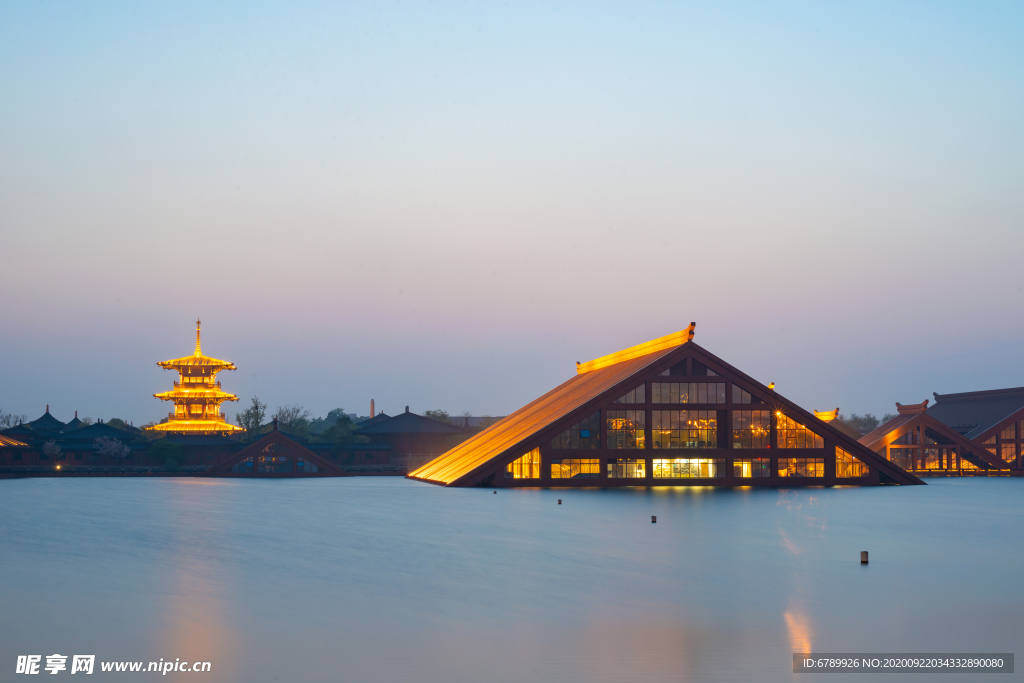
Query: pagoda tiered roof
{"x": 197, "y": 393}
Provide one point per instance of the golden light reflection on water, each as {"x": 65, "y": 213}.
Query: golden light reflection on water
{"x": 193, "y": 615}
{"x": 799, "y": 629}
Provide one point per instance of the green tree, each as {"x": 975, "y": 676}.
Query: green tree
{"x": 440, "y": 416}
{"x": 251, "y": 419}
{"x": 118, "y": 423}
{"x": 163, "y": 450}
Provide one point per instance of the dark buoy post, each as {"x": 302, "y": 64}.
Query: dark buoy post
{"x": 863, "y": 556}
{"x": 654, "y": 519}
{"x": 559, "y": 501}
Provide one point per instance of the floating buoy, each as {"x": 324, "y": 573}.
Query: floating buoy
{"x": 863, "y": 556}
{"x": 559, "y": 501}
{"x": 654, "y": 519}
{"x": 495, "y": 491}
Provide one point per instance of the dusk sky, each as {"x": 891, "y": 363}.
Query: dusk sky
{"x": 447, "y": 205}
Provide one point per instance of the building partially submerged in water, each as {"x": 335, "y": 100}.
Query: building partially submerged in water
{"x": 978, "y": 432}
{"x": 666, "y": 412}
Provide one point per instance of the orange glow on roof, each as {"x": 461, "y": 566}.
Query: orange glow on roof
{"x": 195, "y": 426}
{"x": 7, "y": 441}
{"x": 506, "y": 434}
{"x": 660, "y": 344}
{"x": 827, "y": 415}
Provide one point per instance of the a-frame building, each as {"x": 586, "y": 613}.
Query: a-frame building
{"x": 919, "y": 442}
{"x": 666, "y": 412}
{"x": 275, "y": 455}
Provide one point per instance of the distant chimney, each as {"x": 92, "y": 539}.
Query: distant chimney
{"x": 371, "y": 408}
{"x": 47, "y": 407}
{"x": 76, "y": 414}
{"x": 407, "y": 409}
{"x": 275, "y": 423}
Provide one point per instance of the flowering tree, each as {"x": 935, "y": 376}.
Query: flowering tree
{"x": 111, "y": 448}
{"x": 51, "y": 449}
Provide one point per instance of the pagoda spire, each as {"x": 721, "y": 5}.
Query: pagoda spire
{"x": 198, "y": 350}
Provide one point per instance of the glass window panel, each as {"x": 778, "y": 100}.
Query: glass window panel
{"x": 584, "y": 434}
{"x": 1008, "y": 452}
{"x": 638, "y": 395}
{"x": 751, "y": 429}
{"x": 794, "y": 435}
{"x": 576, "y": 468}
{"x": 801, "y": 467}
{"x": 847, "y": 465}
{"x": 689, "y": 468}
{"x": 626, "y": 468}
{"x": 525, "y": 467}
{"x": 626, "y": 428}
{"x": 684, "y": 428}
{"x": 1009, "y": 434}
{"x": 756, "y": 468}
{"x": 688, "y": 392}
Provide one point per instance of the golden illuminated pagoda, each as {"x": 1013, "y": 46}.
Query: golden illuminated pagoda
{"x": 196, "y": 394}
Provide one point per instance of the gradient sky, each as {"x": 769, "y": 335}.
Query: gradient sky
{"x": 446, "y": 205}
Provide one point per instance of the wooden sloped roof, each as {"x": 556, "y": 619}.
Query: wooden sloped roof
{"x": 523, "y": 423}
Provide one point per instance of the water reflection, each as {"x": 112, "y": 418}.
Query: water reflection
{"x": 374, "y": 579}
{"x": 192, "y": 621}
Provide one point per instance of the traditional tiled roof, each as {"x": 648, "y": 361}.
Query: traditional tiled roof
{"x": 409, "y": 423}
{"x": 47, "y": 422}
{"x": 7, "y": 441}
{"x": 199, "y": 393}
{"x": 976, "y": 412}
{"x": 93, "y": 432}
{"x": 379, "y": 417}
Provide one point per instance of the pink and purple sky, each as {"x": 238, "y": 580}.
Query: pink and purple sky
{"x": 446, "y": 205}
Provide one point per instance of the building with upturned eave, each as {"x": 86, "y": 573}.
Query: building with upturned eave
{"x": 993, "y": 420}
{"x": 666, "y": 412}
{"x": 919, "y": 442}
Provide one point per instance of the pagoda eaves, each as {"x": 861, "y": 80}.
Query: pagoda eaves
{"x": 197, "y": 394}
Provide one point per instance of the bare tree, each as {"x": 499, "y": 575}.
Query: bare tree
{"x": 8, "y": 420}
{"x": 252, "y": 417}
{"x": 112, "y": 448}
{"x": 51, "y": 449}
{"x": 293, "y": 418}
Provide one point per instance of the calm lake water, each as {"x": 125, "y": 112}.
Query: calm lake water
{"x": 384, "y": 579}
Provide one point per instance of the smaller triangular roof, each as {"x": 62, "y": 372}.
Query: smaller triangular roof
{"x": 260, "y": 445}
{"x": 379, "y": 417}
{"x": 900, "y": 424}
{"x": 409, "y": 423}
